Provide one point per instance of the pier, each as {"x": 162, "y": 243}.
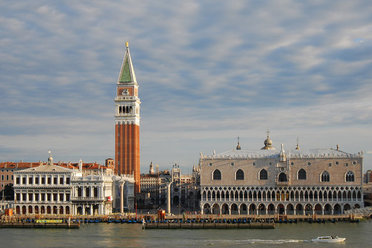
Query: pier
{"x": 186, "y": 221}
{"x": 206, "y": 225}
{"x": 39, "y": 225}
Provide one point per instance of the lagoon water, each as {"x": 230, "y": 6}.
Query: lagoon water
{"x": 131, "y": 235}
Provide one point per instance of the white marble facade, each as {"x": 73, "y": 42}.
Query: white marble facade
{"x": 52, "y": 189}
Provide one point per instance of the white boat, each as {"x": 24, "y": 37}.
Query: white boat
{"x": 329, "y": 239}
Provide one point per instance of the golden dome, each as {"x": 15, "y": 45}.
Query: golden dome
{"x": 268, "y": 143}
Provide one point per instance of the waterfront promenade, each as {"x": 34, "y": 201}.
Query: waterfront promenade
{"x": 188, "y": 218}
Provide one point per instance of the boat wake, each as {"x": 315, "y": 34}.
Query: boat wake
{"x": 261, "y": 241}
{"x": 275, "y": 241}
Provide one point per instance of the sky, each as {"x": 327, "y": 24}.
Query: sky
{"x": 208, "y": 72}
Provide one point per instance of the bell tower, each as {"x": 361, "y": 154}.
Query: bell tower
{"x": 127, "y": 122}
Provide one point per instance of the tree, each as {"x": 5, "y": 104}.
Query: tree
{"x": 7, "y": 193}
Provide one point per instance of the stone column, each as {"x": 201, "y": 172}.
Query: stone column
{"x": 100, "y": 209}
{"x": 101, "y": 192}
{"x": 121, "y": 198}
{"x": 168, "y": 199}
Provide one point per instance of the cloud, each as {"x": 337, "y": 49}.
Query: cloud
{"x": 208, "y": 72}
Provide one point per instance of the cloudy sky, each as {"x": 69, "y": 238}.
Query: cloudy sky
{"x": 209, "y": 71}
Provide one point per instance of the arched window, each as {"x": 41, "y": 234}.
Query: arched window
{"x": 263, "y": 174}
{"x": 325, "y": 177}
{"x": 239, "y": 175}
{"x": 282, "y": 177}
{"x": 349, "y": 176}
{"x": 301, "y": 174}
{"x": 217, "y": 175}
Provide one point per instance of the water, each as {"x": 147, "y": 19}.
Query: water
{"x": 131, "y": 235}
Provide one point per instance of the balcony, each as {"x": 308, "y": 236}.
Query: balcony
{"x": 282, "y": 179}
{"x": 282, "y": 183}
{"x": 130, "y": 98}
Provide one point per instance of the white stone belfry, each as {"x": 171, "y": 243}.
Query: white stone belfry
{"x": 50, "y": 159}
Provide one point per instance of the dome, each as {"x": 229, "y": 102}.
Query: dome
{"x": 268, "y": 143}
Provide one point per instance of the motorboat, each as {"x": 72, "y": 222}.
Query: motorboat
{"x": 329, "y": 239}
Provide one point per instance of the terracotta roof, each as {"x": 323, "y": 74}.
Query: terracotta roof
{"x": 24, "y": 165}
{"x": 19, "y": 165}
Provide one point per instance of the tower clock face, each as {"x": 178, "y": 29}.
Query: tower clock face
{"x": 125, "y": 91}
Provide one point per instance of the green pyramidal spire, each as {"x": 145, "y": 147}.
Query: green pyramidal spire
{"x": 127, "y": 72}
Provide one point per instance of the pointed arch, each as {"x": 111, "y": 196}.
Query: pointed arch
{"x": 349, "y": 176}
{"x": 263, "y": 174}
{"x": 301, "y": 175}
{"x": 243, "y": 209}
{"x": 217, "y": 175}
{"x": 290, "y": 209}
{"x": 261, "y": 209}
{"x": 239, "y": 175}
{"x": 282, "y": 177}
{"x": 325, "y": 176}
{"x": 215, "y": 209}
{"x": 206, "y": 209}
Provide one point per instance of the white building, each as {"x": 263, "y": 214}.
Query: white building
{"x": 45, "y": 189}
{"x": 52, "y": 189}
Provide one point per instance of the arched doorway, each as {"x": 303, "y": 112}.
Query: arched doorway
{"x": 318, "y": 209}
{"x": 281, "y": 209}
{"x": 252, "y": 209}
{"x": 327, "y": 209}
{"x": 55, "y": 210}
{"x": 299, "y": 209}
{"x": 290, "y": 209}
{"x": 308, "y": 209}
{"x": 234, "y": 209}
{"x": 49, "y": 210}
{"x": 18, "y": 210}
{"x": 346, "y": 207}
{"x": 206, "y": 209}
{"x": 243, "y": 209}
{"x": 225, "y": 209}
{"x": 216, "y": 209}
{"x": 23, "y": 209}
{"x": 337, "y": 209}
{"x": 261, "y": 209}
{"x": 42, "y": 210}
{"x": 271, "y": 209}
{"x": 60, "y": 210}
{"x": 36, "y": 209}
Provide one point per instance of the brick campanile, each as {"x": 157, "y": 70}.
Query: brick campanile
{"x": 127, "y": 122}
